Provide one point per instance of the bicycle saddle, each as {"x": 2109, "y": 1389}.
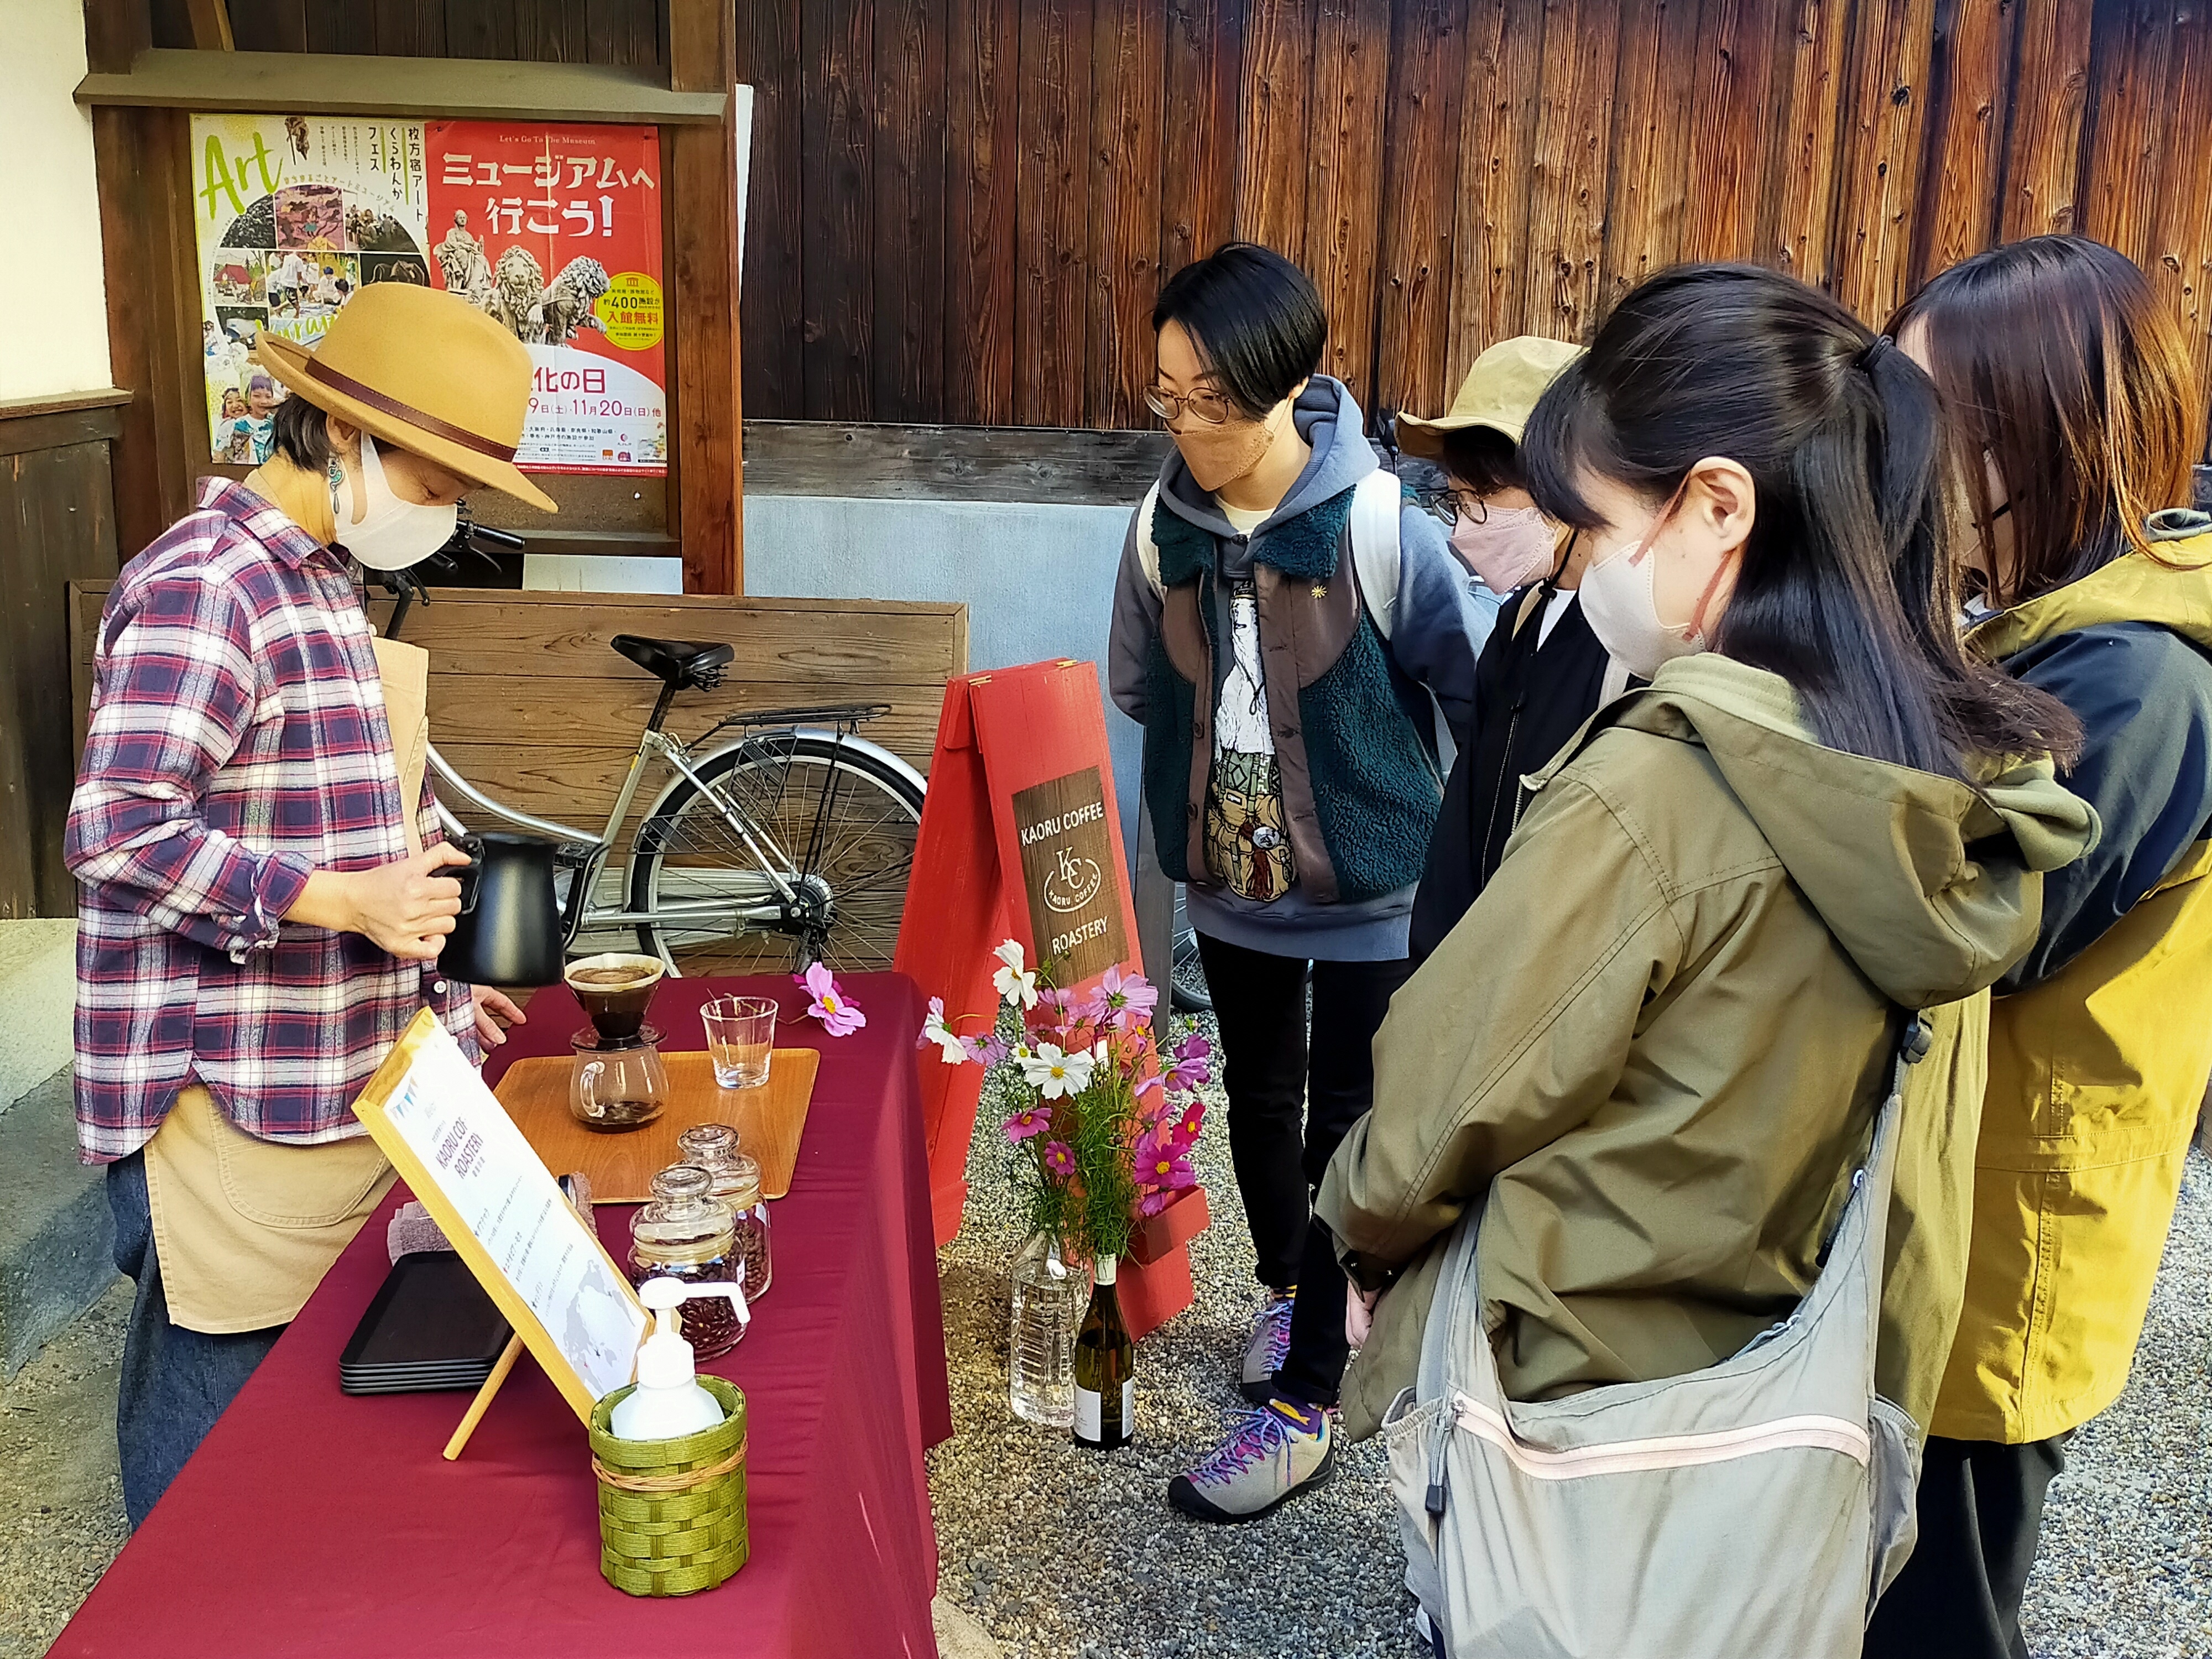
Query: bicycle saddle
{"x": 680, "y": 662}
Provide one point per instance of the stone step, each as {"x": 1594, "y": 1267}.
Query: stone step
{"x": 38, "y": 997}
{"x": 57, "y": 1237}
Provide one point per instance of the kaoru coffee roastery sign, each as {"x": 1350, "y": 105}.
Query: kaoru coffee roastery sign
{"x": 1075, "y": 909}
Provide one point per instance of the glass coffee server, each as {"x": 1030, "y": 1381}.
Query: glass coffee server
{"x": 788, "y": 841}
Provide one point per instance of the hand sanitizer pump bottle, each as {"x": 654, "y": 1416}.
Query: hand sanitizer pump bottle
{"x": 668, "y": 1402}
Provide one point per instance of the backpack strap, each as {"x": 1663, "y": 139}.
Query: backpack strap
{"x": 1148, "y": 550}
{"x": 1375, "y": 554}
{"x": 1615, "y": 683}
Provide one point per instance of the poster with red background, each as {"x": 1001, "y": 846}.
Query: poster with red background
{"x": 555, "y": 231}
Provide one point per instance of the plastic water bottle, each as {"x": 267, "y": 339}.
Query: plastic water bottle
{"x": 1049, "y": 1298}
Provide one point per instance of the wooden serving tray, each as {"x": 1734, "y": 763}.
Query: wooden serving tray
{"x": 768, "y": 1119}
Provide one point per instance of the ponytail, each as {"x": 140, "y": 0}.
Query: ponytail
{"x": 1844, "y": 588}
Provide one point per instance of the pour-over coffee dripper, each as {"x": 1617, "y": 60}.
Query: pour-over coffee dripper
{"x": 618, "y": 1081}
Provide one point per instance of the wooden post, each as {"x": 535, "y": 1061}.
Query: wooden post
{"x": 702, "y": 274}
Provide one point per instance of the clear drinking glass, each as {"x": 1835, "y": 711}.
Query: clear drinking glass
{"x": 740, "y": 1032}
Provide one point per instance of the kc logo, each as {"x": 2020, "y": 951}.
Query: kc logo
{"x": 1073, "y": 883}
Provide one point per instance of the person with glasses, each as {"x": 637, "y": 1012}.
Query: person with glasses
{"x": 1543, "y": 673}
{"x": 1291, "y": 771}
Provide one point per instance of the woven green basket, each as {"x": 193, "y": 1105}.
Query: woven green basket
{"x": 671, "y": 1512}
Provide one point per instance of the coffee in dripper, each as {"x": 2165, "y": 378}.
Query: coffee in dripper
{"x": 618, "y": 1081}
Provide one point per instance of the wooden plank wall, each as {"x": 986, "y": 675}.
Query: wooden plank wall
{"x": 57, "y": 526}
{"x": 962, "y": 209}
{"x": 533, "y": 705}
{"x": 628, "y": 33}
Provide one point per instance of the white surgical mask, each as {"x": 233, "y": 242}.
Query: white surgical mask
{"x": 391, "y": 534}
{"x": 1509, "y": 549}
{"x": 1621, "y": 603}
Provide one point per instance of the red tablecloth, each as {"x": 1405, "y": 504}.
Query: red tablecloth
{"x": 311, "y": 1522}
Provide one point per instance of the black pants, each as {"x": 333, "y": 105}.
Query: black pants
{"x": 1291, "y": 1098}
{"x": 1981, "y": 1509}
{"x": 176, "y": 1382}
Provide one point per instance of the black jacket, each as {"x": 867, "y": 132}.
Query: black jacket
{"x": 1529, "y": 698}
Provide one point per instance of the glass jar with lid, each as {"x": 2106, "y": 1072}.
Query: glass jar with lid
{"x": 737, "y": 1176}
{"x": 685, "y": 1234}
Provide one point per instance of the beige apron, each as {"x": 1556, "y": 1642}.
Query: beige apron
{"x": 244, "y": 1229}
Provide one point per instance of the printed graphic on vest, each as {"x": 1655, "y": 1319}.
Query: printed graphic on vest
{"x": 1075, "y": 908}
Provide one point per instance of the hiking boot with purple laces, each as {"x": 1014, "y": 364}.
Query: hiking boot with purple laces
{"x": 1264, "y": 1353}
{"x": 1273, "y": 1453}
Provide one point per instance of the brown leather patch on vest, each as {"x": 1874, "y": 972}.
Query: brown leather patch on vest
{"x": 1190, "y": 654}
{"x": 1304, "y": 627}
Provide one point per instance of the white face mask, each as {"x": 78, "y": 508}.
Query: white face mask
{"x": 391, "y": 534}
{"x": 1508, "y": 549}
{"x": 1620, "y": 604}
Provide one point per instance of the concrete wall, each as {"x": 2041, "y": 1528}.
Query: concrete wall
{"x": 53, "y": 292}
{"x": 1037, "y": 579}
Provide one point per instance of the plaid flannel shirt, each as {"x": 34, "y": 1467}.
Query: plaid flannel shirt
{"x": 237, "y": 745}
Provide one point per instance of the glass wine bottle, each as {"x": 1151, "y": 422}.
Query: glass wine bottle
{"x": 1105, "y": 1368}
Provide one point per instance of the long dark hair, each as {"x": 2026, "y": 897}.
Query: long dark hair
{"x": 1843, "y": 589}
{"x": 2057, "y": 360}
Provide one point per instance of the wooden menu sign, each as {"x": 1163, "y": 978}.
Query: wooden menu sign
{"x": 463, "y": 1157}
{"x": 1020, "y": 838}
{"x": 1075, "y": 913}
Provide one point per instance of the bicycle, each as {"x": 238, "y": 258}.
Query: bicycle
{"x": 791, "y": 844}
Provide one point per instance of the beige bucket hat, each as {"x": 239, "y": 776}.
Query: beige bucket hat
{"x": 424, "y": 370}
{"x": 1500, "y": 392}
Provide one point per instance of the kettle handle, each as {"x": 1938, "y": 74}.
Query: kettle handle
{"x": 470, "y": 875}
{"x": 590, "y": 1073}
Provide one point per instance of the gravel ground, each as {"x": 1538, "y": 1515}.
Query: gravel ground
{"x": 2125, "y": 1568}
{"x": 1061, "y": 1553}
{"x": 61, "y": 1499}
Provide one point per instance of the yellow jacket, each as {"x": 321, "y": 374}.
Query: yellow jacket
{"x": 2097, "y": 1063}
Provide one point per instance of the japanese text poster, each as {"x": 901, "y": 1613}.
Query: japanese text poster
{"x": 555, "y": 231}
{"x": 293, "y": 214}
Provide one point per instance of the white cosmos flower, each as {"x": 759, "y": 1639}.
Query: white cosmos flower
{"x": 934, "y": 1030}
{"x": 1014, "y": 985}
{"x": 1055, "y": 1075}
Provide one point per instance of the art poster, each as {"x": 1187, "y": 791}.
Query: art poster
{"x": 555, "y": 230}
{"x": 293, "y": 214}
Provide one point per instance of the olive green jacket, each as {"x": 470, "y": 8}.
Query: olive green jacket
{"x": 1658, "y": 1037}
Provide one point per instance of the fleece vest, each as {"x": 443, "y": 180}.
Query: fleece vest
{"x": 1360, "y": 789}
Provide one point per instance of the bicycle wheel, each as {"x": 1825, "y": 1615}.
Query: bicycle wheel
{"x": 845, "y": 820}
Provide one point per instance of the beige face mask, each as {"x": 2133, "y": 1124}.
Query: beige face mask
{"x": 1220, "y": 455}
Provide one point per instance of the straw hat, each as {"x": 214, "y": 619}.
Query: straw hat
{"x": 424, "y": 370}
{"x": 1500, "y": 392}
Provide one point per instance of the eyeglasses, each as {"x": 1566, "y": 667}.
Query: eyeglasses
{"x": 1448, "y": 507}
{"x": 1205, "y": 404}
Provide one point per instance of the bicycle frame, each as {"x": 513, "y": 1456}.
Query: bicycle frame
{"x": 586, "y": 854}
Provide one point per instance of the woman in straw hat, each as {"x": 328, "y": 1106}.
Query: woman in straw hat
{"x": 259, "y": 907}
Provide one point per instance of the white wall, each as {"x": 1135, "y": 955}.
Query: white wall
{"x": 53, "y": 301}
{"x": 1037, "y": 579}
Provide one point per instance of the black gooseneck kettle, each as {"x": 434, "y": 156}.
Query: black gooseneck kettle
{"x": 508, "y": 932}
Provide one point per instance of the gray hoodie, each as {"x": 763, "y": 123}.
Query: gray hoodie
{"x": 1441, "y": 623}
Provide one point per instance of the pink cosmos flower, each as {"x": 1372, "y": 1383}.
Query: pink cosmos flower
{"x": 1190, "y": 1069}
{"x": 1024, "y": 1125}
{"x": 987, "y": 1053}
{"x": 1122, "y": 997}
{"x": 1059, "y": 1159}
{"x": 1161, "y": 1165}
{"x": 842, "y": 1016}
